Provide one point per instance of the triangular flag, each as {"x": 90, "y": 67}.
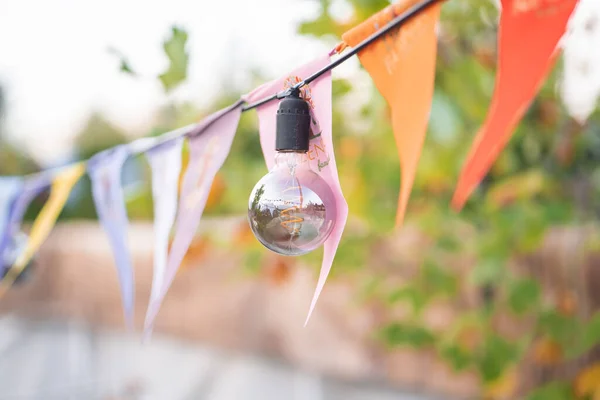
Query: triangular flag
{"x": 320, "y": 154}
{"x": 10, "y": 188}
{"x": 528, "y": 37}
{"x": 402, "y": 65}
{"x": 105, "y": 172}
{"x": 23, "y": 195}
{"x": 62, "y": 185}
{"x": 209, "y": 146}
{"x": 165, "y": 162}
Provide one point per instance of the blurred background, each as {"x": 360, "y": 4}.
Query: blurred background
{"x": 499, "y": 302}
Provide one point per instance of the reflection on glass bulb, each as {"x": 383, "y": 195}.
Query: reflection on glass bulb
{"x": 291, "y": 209}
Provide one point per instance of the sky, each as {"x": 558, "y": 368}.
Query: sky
{"x": 55, "y": 67}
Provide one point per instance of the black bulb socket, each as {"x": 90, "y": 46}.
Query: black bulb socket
{"x": 293, "y": 124}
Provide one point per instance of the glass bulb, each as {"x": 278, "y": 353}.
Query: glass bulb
{"x": 292, "y": 209}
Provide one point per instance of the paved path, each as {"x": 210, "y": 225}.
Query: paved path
{"x": 66, "y": 360}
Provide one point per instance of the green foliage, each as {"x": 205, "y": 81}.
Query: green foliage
{"x": 253, "y": 260}
{"x": 575, "y": 336}
{"x": 448, "y": 243}
{"x": 175, "y": 50}
{"x": 411, "y": 295}
{"x": 15, "y": 161}
{"x": 404, "y": 334}
{"x": 558, "y": 390}
{"x": 437, "y": 280}
{"x": 496, "y": 355}
{"x": 560, "y": 327}
{"x": 353, "y": 252}
{"x": 458, "y": 358}
{"x": 591, "y": 335}
{"x": 341, "y": 87}
{"x": 432, "y": 282}
{"x": 523, "y": 295}
{"x": 97, "y": 135}
{"x": 124, "y": 64}
{"x": 487, "y": 272}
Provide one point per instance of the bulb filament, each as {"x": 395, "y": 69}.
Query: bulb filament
{"x": 288, "y": 215}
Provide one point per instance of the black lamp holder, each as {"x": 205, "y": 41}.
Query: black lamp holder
{"x": 293, "y": 123}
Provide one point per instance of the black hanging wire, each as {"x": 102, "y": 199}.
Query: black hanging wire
{"x": 198, "y": 129}
{"x": 393, "y": 24}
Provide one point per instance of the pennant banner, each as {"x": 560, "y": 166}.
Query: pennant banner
{"x": 527, "y": 47}
{"x": 320, "y": 154}
{"x": 10, "y": 188}
{"x": 165, "y": 162}
{"x": 61, "y": 188}
{"x": 402, "y": 65}
{"x": 30, "y": 187}
{"x": 209, "y": 145}
{"x": 105, "y": 172}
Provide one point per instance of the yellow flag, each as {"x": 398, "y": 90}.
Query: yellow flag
{"x": 61, "y": 188}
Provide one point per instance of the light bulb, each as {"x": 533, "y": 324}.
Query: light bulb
{"x": 292, "y": 209}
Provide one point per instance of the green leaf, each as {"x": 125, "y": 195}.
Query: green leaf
{"x": 524, "y": 294}
{"x": 126, "y": 68}
{"x": 366, "y": 8}
{"x": 590, "y": 338}
{"x": 438, "y": 281}
{"x": 321, "y": 26}
{"x": 448, "y": 243}
{"x": 552, "y": 391}
{"x": 397, "y": 334}
{"x": 487, "y": 272}
{"x": 520, "y": 186}
{"x": 564, "y": 329}
{"x": 496, "y": 356}
{"x": 341, "y": 87}
{"x": 410, "y": 294}
{"x": 592, "y": 331}
{"x": 456, "y": 356}
{"x": 353, "y": 252}
{"x": 175, "y": 50}
{"x": 124, "y": 65}
{"x": 253, "y": 260}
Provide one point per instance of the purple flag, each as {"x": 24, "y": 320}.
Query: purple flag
{"x": 10, "y": 188}
{"x": 165, "y": 161}
{"x": 209, "y": 144}
{"x": 17, "y": 194}
{"x": 105, "y": 172}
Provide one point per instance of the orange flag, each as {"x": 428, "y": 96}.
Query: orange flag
{"x": 527, "y": 43}
{"x": 402, "y": 65}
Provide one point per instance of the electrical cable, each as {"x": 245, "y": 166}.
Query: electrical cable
{"x": 393, "y": 24}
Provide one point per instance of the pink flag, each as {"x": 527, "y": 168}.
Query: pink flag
{"x": 320, "y": 153}
{"x": 209, "y": 144}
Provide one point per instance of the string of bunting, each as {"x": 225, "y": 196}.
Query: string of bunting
{"x": 397, "y": 46}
